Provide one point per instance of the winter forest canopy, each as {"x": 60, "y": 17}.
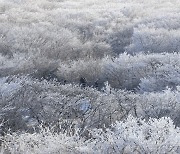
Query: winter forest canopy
{"x": 89, "y": 76}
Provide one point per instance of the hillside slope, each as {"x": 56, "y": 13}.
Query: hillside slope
{"x": 89, "y": 76}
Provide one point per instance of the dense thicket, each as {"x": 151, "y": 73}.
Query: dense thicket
{"x": 84, "y": 76}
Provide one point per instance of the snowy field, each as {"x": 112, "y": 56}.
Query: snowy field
{"x": 89, "y": 76}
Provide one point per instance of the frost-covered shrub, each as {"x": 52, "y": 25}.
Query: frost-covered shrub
{"x": 159, "y": 104}
{"x": 26, "y": 103}
{"x": 165, "y": 75}
{"x": 74, "y": 30}
{"x": 138, "y": 136}
{"x": 42, "y": 32}
{"x": 70, "y": 69}
{"x": 154, "y": 40}
{"x": 152, "y": 72}
{"x": 46, "y": 141}
{"x": 131, "y": 136}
